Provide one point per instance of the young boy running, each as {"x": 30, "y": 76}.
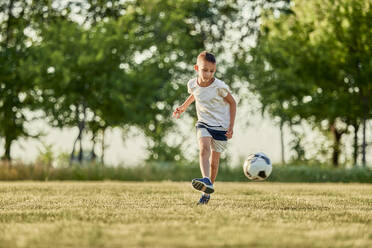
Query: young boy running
{"x": 215, "y": 108}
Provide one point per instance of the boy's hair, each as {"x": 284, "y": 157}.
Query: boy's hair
{"x": 207, "y": 57}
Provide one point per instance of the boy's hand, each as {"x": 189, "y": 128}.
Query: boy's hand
{"x": 177, "y": 113}
{"x": 229, "y": 133}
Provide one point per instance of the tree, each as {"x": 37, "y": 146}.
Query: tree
{"x": 304, "y": 68}
{"x": 122, "y": 69}
{"x": 351, "y": 35}
{"x": 16, "y": 86}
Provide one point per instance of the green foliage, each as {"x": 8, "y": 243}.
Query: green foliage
{"x": 313, "y": 64}
{"x": 128, "y": 69}
{"x": 152, "y": 171}
{"x": 311, "y": 174}
{"x": 95, "y": 64}
{"x": 17, "y": 18}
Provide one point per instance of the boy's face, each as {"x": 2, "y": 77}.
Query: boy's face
{"x": 205, "y": 70}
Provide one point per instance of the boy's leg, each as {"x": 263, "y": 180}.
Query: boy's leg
{"x": 218, "y": 146}
{"x": 204, "y": 184}
{"x": 204, "y": 154}
{"x": 214, "y": 162}
{"x": 211, "y": 170}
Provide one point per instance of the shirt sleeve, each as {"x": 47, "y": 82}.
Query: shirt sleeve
{"x": 223, "y": 90}
{"x": 190, "y": 87}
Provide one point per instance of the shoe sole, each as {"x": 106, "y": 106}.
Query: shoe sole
{"x": 204, "y": 203}
{"x": 202, "y": 187}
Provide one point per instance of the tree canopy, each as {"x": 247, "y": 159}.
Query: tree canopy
{"x": 94, "y": 65}
{"x": 313, "y": 64}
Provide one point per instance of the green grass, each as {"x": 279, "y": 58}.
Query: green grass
{"x": 179, "y": 172}
{"x": 164, "y": 214}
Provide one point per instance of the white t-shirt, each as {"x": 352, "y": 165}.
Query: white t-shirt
{"x": 211, "y": 107}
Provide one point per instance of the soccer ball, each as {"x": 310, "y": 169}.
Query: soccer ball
{"x": 257, "y": 167}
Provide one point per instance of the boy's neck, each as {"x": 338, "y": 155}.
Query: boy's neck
{"x": 204, "y": 84}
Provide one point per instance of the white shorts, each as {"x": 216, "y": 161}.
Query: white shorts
{"x": 216, "y": 145}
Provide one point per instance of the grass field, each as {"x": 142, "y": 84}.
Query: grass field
{"x": 117, "y": 214}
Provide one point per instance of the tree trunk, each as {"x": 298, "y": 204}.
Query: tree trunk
{"x": 355, "y": 145}
{"x": 8, "y": 145}
{"x": 93, "y": 155}
{"x": 81, "y": 125}
{"x": 364, "y": 145}
{"x": 9, "y": 22}
{"x": 336, "y": 145}
{"x": 81, "y": 129}
{"x": 8, "y": 142}
{"x": 80, "y": 155}
{"x": 282, "y": 141}
{"x": 103, "y": 146}
{"x": 72, "y": 155}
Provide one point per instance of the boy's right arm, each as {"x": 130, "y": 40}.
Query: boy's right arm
{"x": 183, "y": 107}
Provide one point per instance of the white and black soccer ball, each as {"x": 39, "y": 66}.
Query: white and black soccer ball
{"x": 257, "y": 166}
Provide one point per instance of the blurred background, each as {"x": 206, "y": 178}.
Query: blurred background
{"x": 89, "y": 86}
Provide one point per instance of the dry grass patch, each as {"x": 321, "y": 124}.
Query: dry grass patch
{"x": 164, "y": 214}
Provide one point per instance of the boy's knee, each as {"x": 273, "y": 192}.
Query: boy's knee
{"x": 205, "y": 149}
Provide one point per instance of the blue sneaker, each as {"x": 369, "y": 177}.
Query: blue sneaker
{"x": 204, "y": 199}
{"x": 203, "y": 184}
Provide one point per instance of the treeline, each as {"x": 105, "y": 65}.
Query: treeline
{"x": 97, "y": 64}
{"x": 314, "y": 64}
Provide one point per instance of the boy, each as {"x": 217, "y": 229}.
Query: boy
{"x": 215, "y": 108}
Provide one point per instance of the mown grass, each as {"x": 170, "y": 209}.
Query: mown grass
{"x": 164, "y": 214}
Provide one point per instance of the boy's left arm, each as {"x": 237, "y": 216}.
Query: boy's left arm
{"x": 231, "y": 101}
